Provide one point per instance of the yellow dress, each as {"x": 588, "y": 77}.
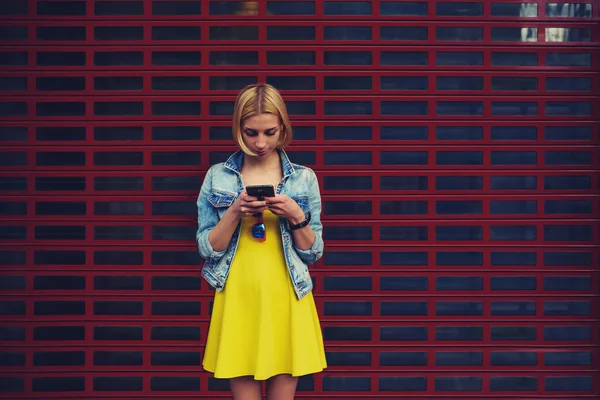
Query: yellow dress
{"x": 258, "y": 327}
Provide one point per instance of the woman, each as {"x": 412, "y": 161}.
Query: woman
{"x": 264, "y": 323}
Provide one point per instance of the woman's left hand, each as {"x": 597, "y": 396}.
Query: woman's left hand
{"x": 284, "y": 206}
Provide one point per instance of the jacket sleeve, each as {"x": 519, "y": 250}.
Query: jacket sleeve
{"x": 208, "y": 217}
{"x": 315, "y": 252}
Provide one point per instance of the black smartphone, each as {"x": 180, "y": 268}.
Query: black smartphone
{"x": 260, "y": 191}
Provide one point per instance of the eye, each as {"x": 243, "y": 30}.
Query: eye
{"x": 271, "y": 133}
{"x": 250, "y": 132}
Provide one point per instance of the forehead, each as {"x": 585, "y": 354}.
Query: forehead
{"x": 261, "y": 122}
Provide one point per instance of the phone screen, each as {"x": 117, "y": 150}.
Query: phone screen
{"x": 260, "y": 191}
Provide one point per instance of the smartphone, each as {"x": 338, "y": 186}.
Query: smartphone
{"x": 260, "y": 191}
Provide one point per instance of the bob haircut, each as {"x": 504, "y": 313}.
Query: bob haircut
{"x": 260, "y": 98}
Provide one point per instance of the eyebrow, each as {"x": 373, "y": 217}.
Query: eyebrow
{"x": 250, "y": 129}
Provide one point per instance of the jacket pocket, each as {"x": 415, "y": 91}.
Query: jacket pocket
{"x": 303, "y": 202}
{"x": 220, "y": 199}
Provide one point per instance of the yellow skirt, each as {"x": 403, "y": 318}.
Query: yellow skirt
{"x": 258, "y": 327}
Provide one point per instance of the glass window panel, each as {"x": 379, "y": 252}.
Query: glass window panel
{"x": 347, "y": 182}
{"x": 118, "y": 183}
{"x": 514, "y": 9}
{"x": 15, "y": 7}
{"x": 458, "y": 58}
{"x": 118, "y": 133}
{"x": 458, "y": 9}
{"x": 514, "y": 158}
{"x": 514, "y": 333}
{"x": 572, "y": 10}
{"x": 14, "y": 84}
{"x": 348, "y": 158}
{"x": 581, "y": 108}
{"x": 8, "y": 183}
{"x": 232, "y": 8}
{"x": 348, "y": 83}
{"x": 514, "y": 133}
{"x": 390, "y": 8}
{"x": 9, "y": 33}
{"x": 459, "y": 34}
{"x": 230, "y": 82}
{"x": 576, "y": 207}
{"x": 567, "y": 258}
{"x": 59, "y": 158}
{"x": 69, "y": 33}
{"x": 347, "y": 258}
{"x": 118, "y": 8}
{"x": 458, "y": 358}
{"x": 347, "y": 333}
{"x": 113, "y": 58}
{"x": 233, "y": 33}
{"x": 404, "y": 83}
{"x": 67, "y": 133}
{"x": 403, "y": 33}
{"x": 459, "y": 308}
{"x": 348, "y": 308}
{"x": 458, "y": 183}
{"x": 568, "y": 383}
{"x": 408, "y": 207}
{"x": 567, "y": 183}
{"x": 292, "y": 82}
{"x": 233, "y": 58}
{"x": 510, "y": 34}
{"x": 347, "y": 8}
{"x": 348, "y": 133}
{"x": 514, "y": 232}
{"x": 176, "y": 58}
{"x": 458, "y": 383}
{"x": 403, "y": 333}
{"x": 568, "y": 358}
{"x": 175, "y": 32}
{"x": 404, "y": 107}
{"x": 514, "y": 83}
{"x": 173, "y": 7}
{"x": 567, "y": 283}
{"x": 347, "y": 58}
{"x": 557, "y": 84}
{"x": 512, "y": 308}
{"x": 403, "y": 308}
{"x": 347, "y": 33}
{"x": 404, "y": 282}
{"x": 402, "y": 232}
{"x": 404, "y": 57}
{"x": 305, "y": 133}
{"x": 176, "y": 107}
{"x": 567, "y": 158}
{"x": 118, "y": 83}
{"x": 403, "y": 358}
{"x": 562, "y": 35}
{"x": 462, "y": 333}
{"x": 458, "y": 233}
{"x": 513, "y": 282}
{"x": 513, "y": 183}
{"x": 14, "y": 58}
{"x": 555, "y": 59}
{"x": 291, "y": 33}
{"x": 176, "y": 182}
{"x": 458, "y": 207}
{"x": 404, "y": 158}
{"x": 55, "y": 109}
{"x": 567, "y": 233}
{"x": 403, "y": 183}
{"x": 119, "y": 158}
{"x": 291, "y": 57}
{"x": 459, "y": 157}
{"x": 290, "y": 7}
{"x": 459, "y": 83}
{"x": 521, "y": 207}
{"x": 347, "y": 108}
{"x": 516, "y": 108}
{"x": 403, "y": 133}
{"x": 567, "y": 308}
{"x": 514, "y": 59}
{"x": 459, "y": 108}
{"x": 349, "y": 358}
{"x": 347, "y": 233}
{"x": 513, "y": 258}
{"x": 60, "y": 83}
{"x": 568, "y": 133}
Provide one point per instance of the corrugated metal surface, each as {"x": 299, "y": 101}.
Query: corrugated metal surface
{"x": 456, "y": 147}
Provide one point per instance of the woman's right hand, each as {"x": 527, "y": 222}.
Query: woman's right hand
{"x": 248, "y": 205}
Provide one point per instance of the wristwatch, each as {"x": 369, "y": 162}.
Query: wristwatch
{"x": 301, "y": 224}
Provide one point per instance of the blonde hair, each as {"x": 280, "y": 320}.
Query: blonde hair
{"x": 260, "y": 98}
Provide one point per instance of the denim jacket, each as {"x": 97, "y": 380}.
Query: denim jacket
{"x": 221, "y": 187}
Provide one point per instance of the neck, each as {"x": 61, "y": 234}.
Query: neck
{"x": 272, "y": 161}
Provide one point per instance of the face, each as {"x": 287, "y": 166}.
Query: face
{"x": 261, "y": 134}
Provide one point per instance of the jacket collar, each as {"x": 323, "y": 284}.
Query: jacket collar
{"x": 234, "y": 162}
